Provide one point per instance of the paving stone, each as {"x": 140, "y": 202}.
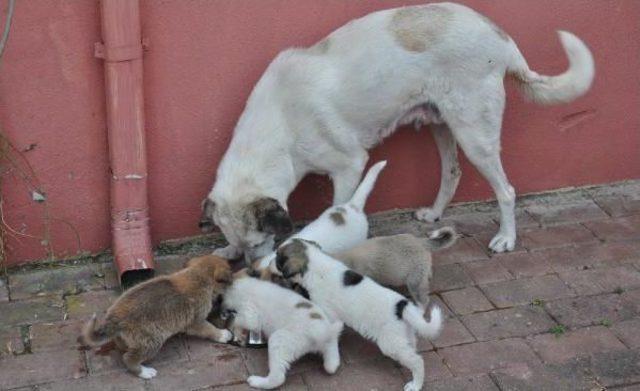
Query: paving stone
{"x": 591, "y": 255}
{"x": 116, "y": 381}
{"x": 526, "y": 264}
{"x": 199, "y": 347}
{"x": 191, "y": 375}
{"x": 28, "y": 369}
{"x": 471, "y": 223}
{"x": 448, "y": 277}
{"x": 537, "y": 377}
{"x": 55, "y": 336}
{"x": 257, "y": 361}
{"x": 355, "y": 348}
{"x": 463, "y": 250}
{"x": 482, "y": 357}
{"x": 167, "y": 264}
{"x": 376, "y": 374}
{"x": 463, "y": 383}
{"x": 174, "y": 350}
{"x": 507, "y": 323}
{"x": 629, "y": 332}
{"x": 623, "y": 228}
{"x": 44, "y": 309}
{"x": 467, "y": 300}
{"x": 619, "y": 206}
{"x": 556, "y": 236}
{"x": 83, "y": 306}
{"x": 571, "y": 344}
{"x": 602, "y": 280}
{"x": 4, "y": 292}
{"x": 111, "y": 278}
{"x": 437, "y": 301}
{"x": 293, "y": 383}
{"x": 575, "y": 212}
{"x": 10, "y": 341}
{"x": 612, "y": 368}
{"x": 593, "y": 310}
{"x": 453, "y": 333}
{"x": 434, "y": 368}
{"x": 488, "y": 271}
{"x": 56, "y": 280}
{"x": 525, "y": 291}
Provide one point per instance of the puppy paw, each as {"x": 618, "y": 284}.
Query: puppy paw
{"x": 147, "y": 372}
{"x": 258, "y": 382}
{"x": 225, "y": 336}
{"x": 412, "y": 386}
{"x": 427, "y": 214}
{"x": 331, "y": 366}
{"x": 502, "y": 242}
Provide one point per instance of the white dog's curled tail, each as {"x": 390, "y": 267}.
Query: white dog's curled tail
{"x": 415, "y": 318}
{"x": 563, "y": 88}
{"x": 441, "y": 238}
{"x": 361, "y": 194}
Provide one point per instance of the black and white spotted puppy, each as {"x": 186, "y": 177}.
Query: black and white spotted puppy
{"x": 375, "y": 312}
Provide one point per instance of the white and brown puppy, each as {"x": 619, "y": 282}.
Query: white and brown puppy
{"x": 319, "y": 109}
{"x": 294, "y": 326}
{"x": 144, "y": 317}
{"x": 375, "y": 312}
{"x": 399, "y": 260}
{"x": 340, "y": 227}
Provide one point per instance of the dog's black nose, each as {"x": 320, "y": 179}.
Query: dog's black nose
{"x": 205, "y": 226}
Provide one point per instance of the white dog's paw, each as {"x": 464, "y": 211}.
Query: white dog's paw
{"x": 411, "y": 386}
{"x": 331, "y": 366}
{"x": 225, "y": 336}
{"x": 428, "y": 214}
{"x": 258, "y": 382}
{"x": 229, "y": 252}
{"x": 502, "y": 242}
{"x": 147, "y": 372}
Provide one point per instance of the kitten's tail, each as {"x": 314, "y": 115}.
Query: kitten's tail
{"x": 96, "y": 336}
{"x": 361, "y": 194}
{"x": 414, "y": 316}
{"x": 441, "y": 238}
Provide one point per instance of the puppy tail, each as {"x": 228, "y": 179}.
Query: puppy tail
{"x": 562, "y": 88}
{"x": 92, "y": 336}
{"x": 414, "y": 317}
{"x": 441, "y": 238}
{"x": 361, "y": 194}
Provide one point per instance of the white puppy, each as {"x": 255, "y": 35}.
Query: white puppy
{"x": 376, "y": 312}
{"x": 339, "y": 227}
{"x": 294, "y": 325}
{"x": 399, "y": 260}
{"x": 319, "y": 109}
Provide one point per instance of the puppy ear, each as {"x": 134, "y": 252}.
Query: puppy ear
{"x": 206, "y": 224}
{"x": 223, "y": 276}
{"x": 270, "y": 216}
{"x": 291, "y": 259}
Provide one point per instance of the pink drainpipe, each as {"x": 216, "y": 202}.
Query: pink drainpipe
{"x": 122, "y": 50}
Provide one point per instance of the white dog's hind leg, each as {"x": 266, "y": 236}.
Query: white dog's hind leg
{"x": 405, "y": 354}
{"x": 481, "y": 144}
{"x": 282, "y": 352}
{"x": 346, "y": 179}
{"x": 449, "y": 176}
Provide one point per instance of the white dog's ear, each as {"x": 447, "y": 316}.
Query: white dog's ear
{"x": 270, "y": 216}
{"x": 206, "y": 223}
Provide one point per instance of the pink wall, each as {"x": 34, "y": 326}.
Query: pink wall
{"x": 203, "y": 60}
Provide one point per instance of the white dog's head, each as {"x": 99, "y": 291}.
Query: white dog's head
{"x": 248, "y": 226}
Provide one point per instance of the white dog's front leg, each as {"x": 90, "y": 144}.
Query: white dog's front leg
{"x": 229, "y": 252}
{"x": 346, "y": 180}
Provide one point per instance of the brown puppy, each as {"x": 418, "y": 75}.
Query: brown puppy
{"x": 143, "y": 318}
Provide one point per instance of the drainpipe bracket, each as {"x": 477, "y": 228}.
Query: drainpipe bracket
{"x": 120, "y": 53}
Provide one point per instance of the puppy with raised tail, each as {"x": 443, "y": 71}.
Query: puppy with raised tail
{"x": 399, "y": 260}
{"x": 375, "y": 312}
{"x": 342, "y": 226}
{"x": 294, "y": 325}
{"x": 144, "y": 317}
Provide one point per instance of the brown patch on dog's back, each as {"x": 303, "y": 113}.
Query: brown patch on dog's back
{"x": 315, "y": 315}
{"x": 418, "y": 27}
{"x": 304, "y": 304}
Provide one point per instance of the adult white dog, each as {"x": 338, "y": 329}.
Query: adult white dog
{"x": 320, "y": 109}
